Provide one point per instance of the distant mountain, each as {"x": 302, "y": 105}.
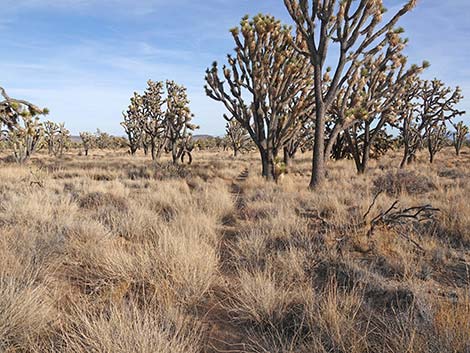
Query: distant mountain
{"x": 200, "y": 137}
{"x": 75, "y": 139}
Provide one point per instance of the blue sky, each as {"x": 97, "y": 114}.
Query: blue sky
{"x": 83, "y": 59}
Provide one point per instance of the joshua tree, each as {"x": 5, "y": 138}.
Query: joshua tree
{"x": 301, "y": 141}
{"x": 56, "y": 137}
{"x": 132, "y": 124}
{"x": 11, "y": 109}
{"x": 267, "y": 86}
{"x": 153, "y": 122}
{"x": 458, "y": 137}
{"x": 237, "y": 137}
{"x": 88, "y": 141}
{"x": 427, "y": 104}
{"x": 178, "y": 124}
{"x": 51, "y": 130}
{"x": 25, "y": 137}
{"x": 370, "y": 99}
{"x": 356, "y": 28}
{"x": 23, "y": 130}
{"x": 436, "y": 136}
{"x": 62, "y": 139}
{"x": 103, "y": 140}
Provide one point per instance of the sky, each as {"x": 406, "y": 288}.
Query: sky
{"x": 83, "y": 59}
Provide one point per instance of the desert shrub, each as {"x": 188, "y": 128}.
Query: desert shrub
{"x": 395, "y": 183}
{"x": 170, "y": 170}
{"x": 96, "y": 200}
{"x": 451, "y": 173}
{"x": 141, "y": 172}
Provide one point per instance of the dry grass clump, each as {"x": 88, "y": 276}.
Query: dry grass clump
{"x": 95, "y": 200}
{"x": 111, "y": 253}
{"x": 27, "y": 311}
{"x": 129, "y": 328}
{"x": 455, "y": 214}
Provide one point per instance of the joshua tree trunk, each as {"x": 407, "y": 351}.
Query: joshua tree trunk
{"x": 432, "y": 152}
{"x": 318, "y": 165}
{"x": 176, "y": 153}
{"x": 405, "y": 156}
{"x": 153, "y": 151}
{"x": 331, "y": 141}
{"x": 267, "y": 161}
{"x": 287, "y": 157}
{"x": 133, "y": 149}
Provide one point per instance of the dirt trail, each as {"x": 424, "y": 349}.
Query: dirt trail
{"x": 223, "y": 335}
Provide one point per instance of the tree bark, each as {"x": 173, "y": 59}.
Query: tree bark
{"x": 431, "y": 158}
{"x": 153, "y": 151}
{"x": 267, "y": 161}
{"x": 332, "y": 140}
{"x": 318, "y": 163}
{"x": 405, "y": 156}
{"x": 287, "y": 157}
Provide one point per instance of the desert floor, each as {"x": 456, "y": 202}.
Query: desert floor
{"x": 112, "y": 253}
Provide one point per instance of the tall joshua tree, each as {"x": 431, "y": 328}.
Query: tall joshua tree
{"x": 261, "y": 81}
{"x": 178, "y": 121}
{"x": 368, "y": 102}
{"x": 132, "y": 123}
{"x": 357, "y": 29}
{"x": 237, "y": 137}
{"x": 458, "y": 137}
{"x": 153, "y": 113}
